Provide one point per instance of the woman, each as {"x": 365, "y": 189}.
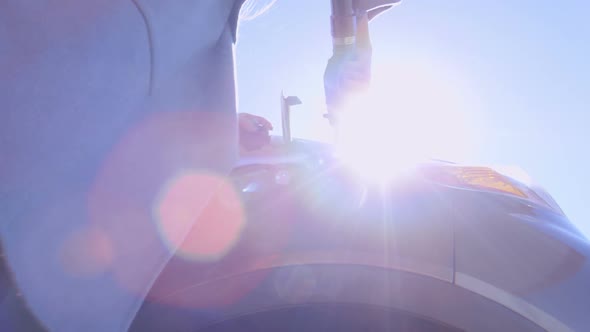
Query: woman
{"x": 105, "y": 106}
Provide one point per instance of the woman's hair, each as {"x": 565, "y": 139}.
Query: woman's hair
{"x": 254, "y": 8}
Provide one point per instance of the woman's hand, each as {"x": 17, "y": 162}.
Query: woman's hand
{"x": 252, "y": 123}
{"x": 348, "y": 72}
{"x": 254, "y": 131}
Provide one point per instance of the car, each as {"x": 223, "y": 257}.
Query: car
{"x": 439, "y": 247}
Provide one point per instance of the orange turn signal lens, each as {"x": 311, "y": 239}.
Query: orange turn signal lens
{"x": 481, "y": 178}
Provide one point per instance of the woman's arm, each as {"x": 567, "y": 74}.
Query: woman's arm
{"x": 99, "y": 102}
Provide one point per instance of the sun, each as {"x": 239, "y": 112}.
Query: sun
{"x": 413, "y": 111}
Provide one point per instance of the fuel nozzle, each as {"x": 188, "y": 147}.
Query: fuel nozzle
{"x": 348, "y": 19}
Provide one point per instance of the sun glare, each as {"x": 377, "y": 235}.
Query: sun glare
{"x": 413, "y": 112}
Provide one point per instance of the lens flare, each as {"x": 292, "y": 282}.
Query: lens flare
{"x": 162, "y": 156}
{"x": 203, "y": 234}
{"x": 86, "y": 253}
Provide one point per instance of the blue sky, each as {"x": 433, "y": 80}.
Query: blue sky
{"x": 518, "y": 73}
